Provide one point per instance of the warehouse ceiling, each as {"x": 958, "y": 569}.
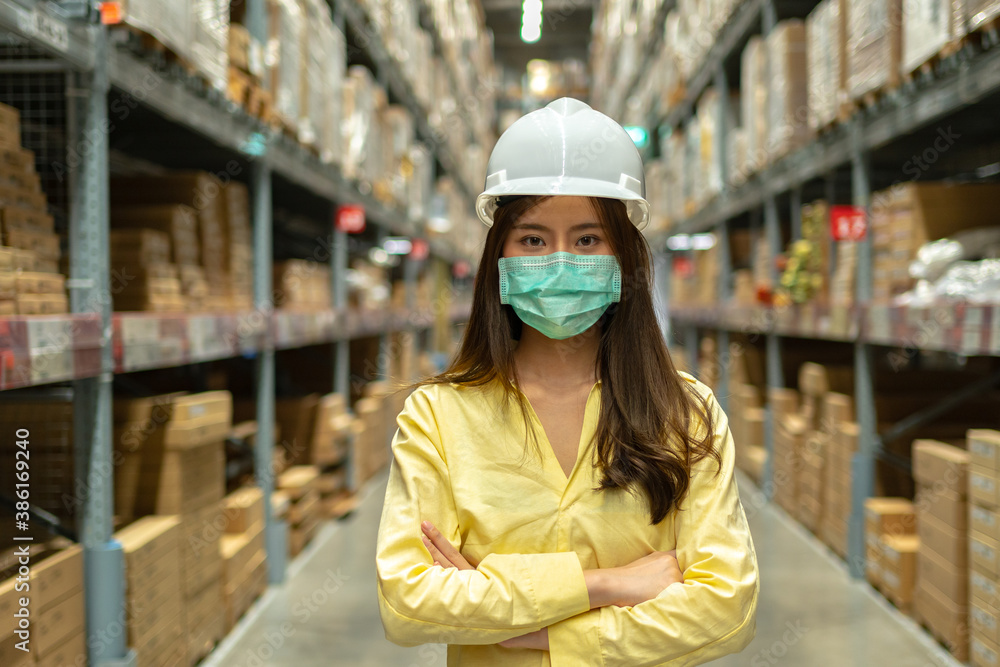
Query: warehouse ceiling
{"x": 566, "y": 28}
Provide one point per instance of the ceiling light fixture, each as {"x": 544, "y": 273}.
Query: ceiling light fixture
{"x": 531, "y": 21}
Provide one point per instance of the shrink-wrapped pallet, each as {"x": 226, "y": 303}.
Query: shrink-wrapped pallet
{"x": 284, "y": 49}
{"x": 167, "y": 22}
{"x": 753, "y": 97}
{"x": 331, "y": 139}
{"x": 358, "y": 115}
{"x": 672, "y": 149}
{"x": 710, "y": 181}
{"x": 208, "y": 48}
{"x": 929, "y": 27}
{"x": 420, "y": 185}
{"x": 826, "y": 33}
{"x": 787, "y": 96}
{"x": 313, "y": 87}
{"x": 873, "y": 45}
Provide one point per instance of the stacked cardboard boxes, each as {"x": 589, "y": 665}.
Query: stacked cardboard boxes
{"x": 300, "y": 485}
{"x": 30, "y": 282}
{"x": 140, "y": 284}
{"x": 787, "y": 96}
{"x": 984, "y": 546}
{"x": 753, "y": 97}
{"x": 172, "y": 457}
{"x": 48, "y": 417}
{"x": 930, "y": 27}
{"x": 838, "y": 418}
{"x": 873, "y": 46}
{"x": 244, "y": 559}
{"x": 942, "y": 597}
{"x": 153, "y": 590}
{"x": 826, "y": 31}
{"x": 302, "y": 285}
{"x": 204, "y": 193}
{"x": 55, "y": 603}
{"x": 890, "y": 527}
{"x": 239, "y": 246}
{"x": 789, "y": 430}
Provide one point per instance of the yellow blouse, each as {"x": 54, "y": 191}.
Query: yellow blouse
{"x": 461, "y": 464}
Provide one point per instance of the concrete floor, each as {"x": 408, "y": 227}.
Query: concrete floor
{"x": 811, "y": 613}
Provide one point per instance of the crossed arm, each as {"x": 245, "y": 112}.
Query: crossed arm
{"x": 512, "y": 598}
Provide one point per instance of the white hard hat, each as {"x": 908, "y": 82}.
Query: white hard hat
{"x": 566, "y": 148}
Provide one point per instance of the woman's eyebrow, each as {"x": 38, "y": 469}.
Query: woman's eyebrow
{"x": 543, "y": 228}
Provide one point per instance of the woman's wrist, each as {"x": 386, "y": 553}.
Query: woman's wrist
{"x": 601, "y": 587}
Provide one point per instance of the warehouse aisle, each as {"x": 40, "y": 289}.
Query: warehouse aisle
{"x": 811, "y": 612}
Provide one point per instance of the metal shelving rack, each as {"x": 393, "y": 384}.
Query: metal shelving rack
{"x": 965, "y": 329}
{"x": 94, "y": 343}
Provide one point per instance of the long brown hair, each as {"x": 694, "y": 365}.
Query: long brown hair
{"x": 653, "y": 427}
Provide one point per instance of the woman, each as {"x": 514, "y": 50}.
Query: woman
{"x": 561, "y": 495}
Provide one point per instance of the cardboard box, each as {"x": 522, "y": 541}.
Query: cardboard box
{"x": 172, "y": 481}
{"x": 948, "y": 619}
{"x": 148, "y": 540}
{"x": 951, "y": 581}
{"x": 297, "y": 481}
{"x": 983, "y": 621}
{"x": 937, "y": 463}
{"x": 72, "y": 651}
{"x": 11, "y": 656}
{"x": 899, "y": 567}
{"x": 984, "y": 521}
{"x": 984, "y": 448}
{"x": 35, "y": 282}
{"x": 243, "y": 510}
{"x": 943, "y": 504}
{"x": 44, "y": 244}
{"x": 58, "y": 622}
{"x": 888, "y": 516}
{"x": 984, "y": 554}
{"x": 984, "y": 487}
{"x": 984, "y": 653}
{"x": 142, "y": 246}
{"x": 55, "y": 576}
{"x": 943, "y": 540}
{"x": 10, "y": 127}
{"x": 984, "y": 587}
{"x": 205, "y": 407}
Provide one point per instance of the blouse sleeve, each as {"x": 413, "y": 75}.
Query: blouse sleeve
{"x": 507, "y": 595}
{"x": 711, "y": 614}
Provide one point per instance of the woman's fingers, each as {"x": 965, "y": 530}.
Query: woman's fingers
{"x": 444, "y": 547}
{"x": 436, "y": 555}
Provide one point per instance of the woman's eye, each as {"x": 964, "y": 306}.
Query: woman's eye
{"x": 533, "y": 241}
{"x": 588, "y": 240}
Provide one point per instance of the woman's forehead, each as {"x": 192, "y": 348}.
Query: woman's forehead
{"x": 559, "y": 210}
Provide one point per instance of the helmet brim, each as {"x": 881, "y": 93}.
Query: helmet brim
{"x": 637, "y": 207}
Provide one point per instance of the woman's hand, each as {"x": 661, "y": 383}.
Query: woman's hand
{"x": 538, "y": 640}
{"x": 441, "y": 550}
{"x": 641, "y": 580}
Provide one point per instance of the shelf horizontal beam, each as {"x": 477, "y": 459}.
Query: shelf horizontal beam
{"x": 960, "y": 328}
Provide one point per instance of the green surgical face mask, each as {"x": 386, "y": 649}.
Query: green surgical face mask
{"x": 562, "y": 294}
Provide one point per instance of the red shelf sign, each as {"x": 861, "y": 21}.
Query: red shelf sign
{"x": 848, "y": 223}
{"x": 350, "y": 218}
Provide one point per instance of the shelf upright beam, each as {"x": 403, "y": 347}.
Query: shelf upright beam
{"x": 342, "y": 361}
{"x": 90, "y": 269}
{"x": 275, "y": 530}
{"x": 722, "y": 390}
{"x": 863, "y": 463}
{"x": 774, "y": 368}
